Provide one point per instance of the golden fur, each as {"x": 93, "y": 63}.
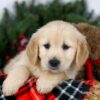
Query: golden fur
{"x": 34, "y": 60}
{"x": 92, "y": 34}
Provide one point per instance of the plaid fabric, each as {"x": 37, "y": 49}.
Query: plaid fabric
{"x": 68, "y": 90}
{"x": 73, "y": 89}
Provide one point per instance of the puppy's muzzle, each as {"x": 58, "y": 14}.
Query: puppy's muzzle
{"x": 54, "y": 63}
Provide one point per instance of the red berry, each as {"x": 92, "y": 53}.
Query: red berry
{"x": 22, "y": 36}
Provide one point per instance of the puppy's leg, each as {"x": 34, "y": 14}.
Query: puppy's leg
{"x": 15, "y": 80}
{"x": 48, "y": 81}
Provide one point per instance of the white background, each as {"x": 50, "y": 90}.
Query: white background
{"x": 92, "y": 4}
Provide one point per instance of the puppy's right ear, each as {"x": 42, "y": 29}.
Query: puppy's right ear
{"x": 32, "y": 49}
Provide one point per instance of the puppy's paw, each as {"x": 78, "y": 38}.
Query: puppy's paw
{"x": 44, "y": 86}
{"x": 9, "y": 88}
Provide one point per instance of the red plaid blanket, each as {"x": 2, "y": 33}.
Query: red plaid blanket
{"x": 68, "y": 90}
{"x": 28, "y": 91}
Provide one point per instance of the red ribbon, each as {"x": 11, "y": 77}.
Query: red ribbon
{"x": 97, "y": 62}
{"x": 89, "y": 65}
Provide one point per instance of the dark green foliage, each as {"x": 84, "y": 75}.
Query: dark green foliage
{"x": 28, "y": 18}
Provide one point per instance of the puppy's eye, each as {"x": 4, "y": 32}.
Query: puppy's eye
{"x": 65, "y": 47}
{"x": 47, "y": 45}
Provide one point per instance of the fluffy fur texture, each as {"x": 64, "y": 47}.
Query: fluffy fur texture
{"x": 92, "y": 34}
{"x": 58, "y": 41}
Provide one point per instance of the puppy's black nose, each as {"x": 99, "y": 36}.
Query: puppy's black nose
{"x": 54, "y": 62}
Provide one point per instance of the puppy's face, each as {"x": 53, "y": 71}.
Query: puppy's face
{"x": 58, "y": 45}
{"x": 56, "y": 51}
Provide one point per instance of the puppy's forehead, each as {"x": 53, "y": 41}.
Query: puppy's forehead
{"x": 58, "y": 32}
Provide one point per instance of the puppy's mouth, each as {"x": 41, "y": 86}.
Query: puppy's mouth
{"x": 53, "y": 68}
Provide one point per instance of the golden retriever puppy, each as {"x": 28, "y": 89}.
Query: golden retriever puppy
{"x": 56, "y": 52}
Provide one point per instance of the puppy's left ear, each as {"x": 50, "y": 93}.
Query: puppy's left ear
{"x": 32, "y": 49}
{"x": 82, "y": 51}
